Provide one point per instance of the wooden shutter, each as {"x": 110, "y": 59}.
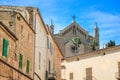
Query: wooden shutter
{"x": 20, "y": 60}
{"x": 5, "y": 48}
{"x": 28, "y": 66}
{"x": 71, "y": 76}
{"x": 89, "y": 73}
{"x": 50, "y": 48}
{"x": 49, "y": 66}
{"x": 119, "y": 68}
{"x": 48, "y": 43}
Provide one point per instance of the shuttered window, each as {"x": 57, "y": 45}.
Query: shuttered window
{"x": 39, "y": 60}
{"x": 5, "y": 48}
{"x": 27, "y": 66}
{"x": 48, "y": 43}
{"x": 89, "y": 73}
{"x": 49, "y": 67}
{"x": 71, "y": 76}
{"x": 20, "y": 61}
{"x": 119, "y": 68}
{"x": 50, "y": 48}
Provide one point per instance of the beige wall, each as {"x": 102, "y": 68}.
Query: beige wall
{"x": 40, "y": 49}
{"x": 104, "y": 67}
{"x": 55, "y": 59}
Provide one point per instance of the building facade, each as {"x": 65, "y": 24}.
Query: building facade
{"x": 35, "y": 52}
{"x": 54, "y": 56}
{"x": 47, "y": 53}
{"x": 41, "y": 50}
{"x": 103, "y": 64}
{"x": 17, "y": 45}
{"x": 64, "y": 37}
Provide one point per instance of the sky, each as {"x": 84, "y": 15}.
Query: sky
{"x": 105, "y": 12}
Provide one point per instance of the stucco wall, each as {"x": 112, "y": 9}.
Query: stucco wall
{"x": 40, "y": 49}
{"x": 104, "y": 67}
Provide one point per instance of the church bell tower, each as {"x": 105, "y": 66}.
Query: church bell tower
{"x": 51, "y": 27}
{"x": 96, "y": 34}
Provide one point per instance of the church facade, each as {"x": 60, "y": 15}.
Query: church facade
{"x": 65, "y": 36}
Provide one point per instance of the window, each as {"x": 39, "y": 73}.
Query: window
{"x": 50, "y": 48}
{"x": 47, "y": 43}
{"x": 39, "y": 59}
{"x": 20, "y": 61}
{"x": 119, "y": 68}
{"x": 49, "y": 66}
{"x": 5, "y": 48}
{"x": 71, "y": 76}
{"x": 74, "y": 30}
{"x": 29, "y": 37}
{"x": 21, "y": 29}
{"x": 27, "y": 66}
{"x": 89, "y": 73}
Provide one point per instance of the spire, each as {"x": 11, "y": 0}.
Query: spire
{"x": 96, "y": 25}
{"x": 51, "y": 27}
{"x": 51, "y": 24}
{"x": 73, "y": 19}
{"x": 96, "y": 34}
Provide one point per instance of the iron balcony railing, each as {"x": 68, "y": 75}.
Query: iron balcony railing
{"x": 52, "y": 75}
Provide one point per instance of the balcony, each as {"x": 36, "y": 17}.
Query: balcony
{"x": 117, "y": 75}
{"x": 52, "y": 75}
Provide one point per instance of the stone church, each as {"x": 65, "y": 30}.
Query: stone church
{"x": 64, "y": 37}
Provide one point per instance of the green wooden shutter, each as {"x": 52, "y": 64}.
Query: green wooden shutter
{"x": 5, "y": 48}
{"x": 20, "y": 60}
{"x": 27, "y": 66}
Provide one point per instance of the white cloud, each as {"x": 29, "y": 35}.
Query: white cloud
{"x": 108, "y": 24}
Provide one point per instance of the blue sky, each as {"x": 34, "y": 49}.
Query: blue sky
{"x": 105, "y": 12}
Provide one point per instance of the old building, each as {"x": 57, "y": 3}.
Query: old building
{"x": 72, "y": 31}
{"x": 103, "y": 64}
{"x": 47, "y": 53}
{"x": 16, "y": 44}
{"x": 34, "y": 53}
{"x": 41, "y": 50}
{"x": 54, "y": 56}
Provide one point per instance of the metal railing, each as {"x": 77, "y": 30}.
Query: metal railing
{"x": 52, "y": 74}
